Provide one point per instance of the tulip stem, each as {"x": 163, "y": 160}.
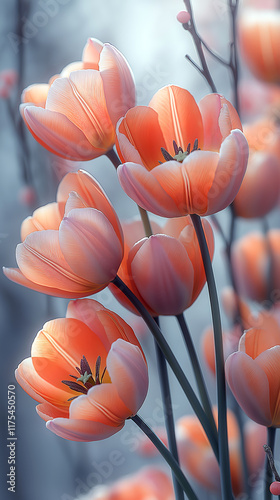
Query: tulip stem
{"x": 268, "y": 478}
{"x": 172, "y": 361}
{"x": 168, "y": 413}
{"x": 173, "y": 464}
{"x": 220, "y": 364}
{"x": 113, "y": 157}
{"x": 204, "y": 396}
{"x": 145, "y": 221}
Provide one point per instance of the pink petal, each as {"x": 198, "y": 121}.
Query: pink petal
{"x": 92, "y": 51}
{"x": 36, "y": 94}
{"x": 118, "y": 81}
{"x": 47, "y": 412}
{"x": 250, "y": 386}
{"x": 129, "y": 373}
{"x": 46, "y": 217}
{"x": 81, "y": 99}
{"x": 90, "y": 245}
{"x": 142, "y": 186}
{"x": 81, "y": 430}
{"x": 58, "y": 134}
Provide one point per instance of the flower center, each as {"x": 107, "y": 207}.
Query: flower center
{"x": 86, "y": 380}
{"x": 180, "y": 155}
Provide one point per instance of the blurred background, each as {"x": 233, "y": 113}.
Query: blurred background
{"x": 39, "y": 38}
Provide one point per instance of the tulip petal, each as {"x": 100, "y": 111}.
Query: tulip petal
{"x": 250, "y": 386}
{"x": 81, "y": 430}
{"x": 139, "y": 137}
{"x": 47, "y": 412}
{"x": 56, "y": 133}
{"x": 179, "y": 117}
{"x": 118, "y": 82}
{"x": 256, "y": 340}
{"x": 36, "y": 94}
{"x": 18, "y": 277}
{"x": 81, "y": 99}
{"x": 41, "y": 261}
{"x": 46, "y": 217}
{"x": 92, "y": 51}
{"x": 269, "y": 361}
{"x": 129, "y": 374}
{"x": 142, "y": 186}
{"x": 163, "y": 274}
{"x": 102, "y": 404}
{"x": 90, "y": 245}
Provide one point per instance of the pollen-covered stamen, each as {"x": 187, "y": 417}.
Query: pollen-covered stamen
{"x": 86, "y": 380}
{"x": 167, "y": 156}
{"x": 180, "y": 155}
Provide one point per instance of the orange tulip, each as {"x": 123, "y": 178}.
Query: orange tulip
{"x": 76, "y": 114}
{"x": 259, "y": 34}
{"x": 71, "y": 248}
{"x": 149, "y": 483}
{"x": 256, "y": 264}
{"x": 275, "y": 488}
{"x": 253, "y": 373}
{"x": 201, "y": 182}
{"x": 87, "y": 371}
{"x": 166, "y": 270}
{"x": 197, "y": 456}
{"x": 259, "y": 191}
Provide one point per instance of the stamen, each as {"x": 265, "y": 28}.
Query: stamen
{"x": 167, "y": 156}
{"x": 176, "y": 149}
{"x": 74, "y": 386}
{"x": 195, "y": 145}
{"x": 86, "y": 377}
{"x": 84, "y": 365}
{"x": 97, "y": 370}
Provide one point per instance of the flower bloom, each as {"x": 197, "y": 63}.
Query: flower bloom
{"x": 275, "y": 488}
{"x": 259, "y": 191}
{"x": 71, "y": 248}
{"x": 202, "y": 181}
{"x": 165, "y": 271}
{"x": 198, "y": 458}
{"x": 259, "y": 35}
{"x": 8, "y": 79}
{"x": 148, "y": 483}
{"x": 87, "y": 371}
{"x": 256, "y": 264}
{"x": 75, "y": 117}
{"x": 253, "y": 374}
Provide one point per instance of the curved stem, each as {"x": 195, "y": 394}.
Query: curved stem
{"x": 167, "y": 456}
{"x": 172, "y": 361}
{"x": 268, "y": 478}
{"x": 233, "y": 4}
{"x": 198, "y": 44}
{"x": 168, "y": 414}
{"x": 204, "y": 396}
{"x": 219, "y": 355}
{"x": 145, "y": 221}
{"x": 113, "y": 157}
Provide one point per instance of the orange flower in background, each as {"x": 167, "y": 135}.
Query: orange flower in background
{"x": 259, "y": 191}
{"x": 259, "y": 35}
{"x": 71, "y": 248}
{"x": 256, "y": 265}
{"x": 76, "y": 114}
{"x": 198, "y": 458}
{"x": 253, "y": 373}
{"x": 174, "y": 128}
{"x": 87, "y": 371}
{"x": 165, "y": 271}
{"x": 149, "y": 483}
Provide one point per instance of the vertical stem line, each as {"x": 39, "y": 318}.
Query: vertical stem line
{"x": 268, "y": 478}
{"x": 167, "y": 456}
{"x": 220, "y": 369}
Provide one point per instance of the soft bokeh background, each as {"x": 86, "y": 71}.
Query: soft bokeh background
{"x": 54, "y": 33}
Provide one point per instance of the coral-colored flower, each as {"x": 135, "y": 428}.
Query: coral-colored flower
{"x": 165, "y": 271}
{"x": 259, "y": 191}
{"x": 87, "y": 371}
{"x": 256, "y": 264}
{"x": 259, "y": 34}
{"x": 275, "y": 488}
{"x": 71, "y": 248}
{"x": 253, "y": 373}
{"x": 75, "y": 116}
{"x": 198, "y": 458}
{"x": 149, "y": 483}
{"x": 201, "y": 182}
{"x": 8, "y": 79}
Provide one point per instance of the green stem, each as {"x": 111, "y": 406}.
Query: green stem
{"x": 220, "y": 368}
{"x": 145, "y": 221}
{"x": 172, "y": 361}
{"x": 113, "y": 157}
{"x": 168, "y": 414}
{"x": 167, "y": 457}
{"x": 204, "y": 396}
{"x": 268, "y": 478}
